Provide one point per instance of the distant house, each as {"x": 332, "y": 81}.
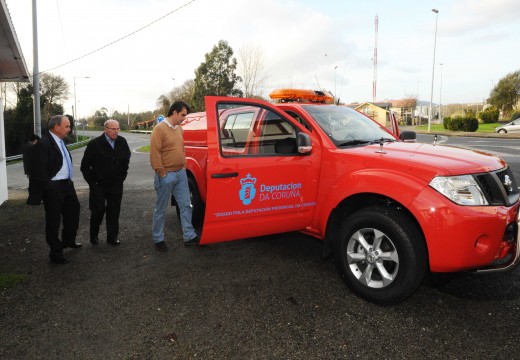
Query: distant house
{"x": 407, "y": 111}
{"x": 145, "y": 124}
{"x": 404, "y": 110}
{"x": 379, "y": 111}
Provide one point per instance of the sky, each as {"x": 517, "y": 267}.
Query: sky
{"x": 325, "y": 44}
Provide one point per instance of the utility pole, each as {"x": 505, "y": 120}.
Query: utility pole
{"x": 440, "y": 95}
{"x": 36, "y": 75}
{"x": 374, "y": 82}
{"x": 433, "y": 69}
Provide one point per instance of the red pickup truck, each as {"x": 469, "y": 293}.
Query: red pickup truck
{"x": 388, "y": 210}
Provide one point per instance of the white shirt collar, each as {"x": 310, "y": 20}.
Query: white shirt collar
{"x": 170, "y": 125}
{"x": 56, "y": 138}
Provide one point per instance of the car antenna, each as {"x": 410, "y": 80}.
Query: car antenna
{"x": 319, "y": 87}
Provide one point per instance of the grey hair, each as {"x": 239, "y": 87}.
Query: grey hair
{"x": 55, "y": 120}
{"x": 105, "y": 124}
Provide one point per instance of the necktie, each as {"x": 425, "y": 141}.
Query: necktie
{"x": 67, "y": 157}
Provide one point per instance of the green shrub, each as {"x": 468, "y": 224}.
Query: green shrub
{"x": 470, "y": 124}
{"x": 489, "y": 115}
{"x": 459, "y": 123}
{"x": 446, "y": 122}
{"x": 455, "y": 124}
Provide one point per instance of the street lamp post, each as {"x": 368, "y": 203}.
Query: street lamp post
{"x": 433, "y": 69}
{"x": 75, "y": 105}
{"x": 335, "y": 94}
{"x": 440, "y": 94}
{"x": 418, "y": 112}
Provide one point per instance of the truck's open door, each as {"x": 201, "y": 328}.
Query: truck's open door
{"x": 407, "y": 136}
{"x": 268, "y": 185}
{"x": 394, "y": 124}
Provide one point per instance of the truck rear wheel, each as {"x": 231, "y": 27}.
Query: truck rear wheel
{"x": 381, "y": 255}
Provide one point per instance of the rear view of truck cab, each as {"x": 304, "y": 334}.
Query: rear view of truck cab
{"x": 389, "y": 210}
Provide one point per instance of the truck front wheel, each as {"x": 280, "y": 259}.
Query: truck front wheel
{"x": 381, "y": 255}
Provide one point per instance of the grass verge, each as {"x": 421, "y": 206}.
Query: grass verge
{"x": 482, "y": 128}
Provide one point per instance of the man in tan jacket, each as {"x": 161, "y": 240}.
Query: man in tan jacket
{"x": 168, "y": 160}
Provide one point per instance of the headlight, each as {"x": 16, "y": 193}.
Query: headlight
{"x": 462, "y": 190}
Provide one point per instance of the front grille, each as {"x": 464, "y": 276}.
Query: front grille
{"x": 499, "y": 187}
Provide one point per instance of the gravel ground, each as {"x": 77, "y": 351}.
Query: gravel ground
{"x": 265, "y": 298}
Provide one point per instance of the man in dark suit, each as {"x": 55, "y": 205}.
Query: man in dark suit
{"x": 104, "y": 167}
{"x": 50, "y": 181}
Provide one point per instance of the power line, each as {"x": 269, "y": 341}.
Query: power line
{"x": 61, "y": 25}
{"x": 121, "y": 38}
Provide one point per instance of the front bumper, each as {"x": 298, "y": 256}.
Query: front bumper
{"x": 468, "y": 238}
{"x": 513, "y": 262}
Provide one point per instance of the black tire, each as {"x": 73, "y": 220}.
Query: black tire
{"x": 197, "y": 206}
{"x": 502, "y": 131}
{"x": 381, "y": 255}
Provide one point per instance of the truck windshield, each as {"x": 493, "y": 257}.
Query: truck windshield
{"x": 347, "y": 127}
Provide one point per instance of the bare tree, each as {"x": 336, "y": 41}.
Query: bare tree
{"x": 183, "y": 92}
{"x": 163, "y": 103}
{"x": 54, "y": 90}
{"x": 404, "y": 109}
{"x": 10, "y": 92}
{"x": 251, "y": 70}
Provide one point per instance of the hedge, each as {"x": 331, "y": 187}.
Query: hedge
{"x": 459, "y": 123}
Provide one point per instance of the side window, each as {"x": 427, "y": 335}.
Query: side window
{"x": 255, "y": 131}
{"x": 276, "y": 136}
{"x": 298, "y": 118}
{"x": 234, "y": 130}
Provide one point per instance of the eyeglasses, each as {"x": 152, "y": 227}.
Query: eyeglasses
{"x": 113, "y": 129}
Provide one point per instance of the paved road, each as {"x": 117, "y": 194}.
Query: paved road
{"x": 506, "y": 148}
{"x": 140, "y": 173}
{"x": 265, "y": 298}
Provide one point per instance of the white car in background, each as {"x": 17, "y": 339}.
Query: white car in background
{"x": 512, "y": 127}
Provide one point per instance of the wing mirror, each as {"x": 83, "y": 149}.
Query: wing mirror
{"x": 408, "y": 136}
{"x": 304, "y": 143}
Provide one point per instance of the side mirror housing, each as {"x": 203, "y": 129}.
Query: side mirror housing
{"x": 304, "y": 143}
{"x": 408, "y": 136}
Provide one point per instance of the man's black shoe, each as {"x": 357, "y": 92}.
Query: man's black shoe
{"x": 192, "y": 242}
{"x": 94, "y": 241}
{"x": 114, "y": 242}
{"x": 60, "y": 260}
{"x": 73, "y": 245}
{"x": 161, "y": 246}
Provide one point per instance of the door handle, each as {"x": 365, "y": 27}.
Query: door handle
{"x": 224, "y": 175}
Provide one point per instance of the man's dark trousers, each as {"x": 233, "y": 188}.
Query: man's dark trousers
{"x": 105, "y": 199}
{"x": 60, "y": 199}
